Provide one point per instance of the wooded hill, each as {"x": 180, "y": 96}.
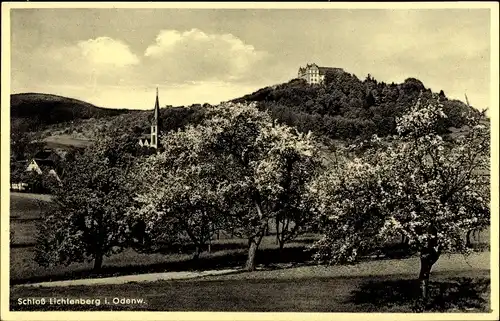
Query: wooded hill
{"x": 38, "y": 110}
{"x": 348, "y": 108}
{"x": 344, "y": 108}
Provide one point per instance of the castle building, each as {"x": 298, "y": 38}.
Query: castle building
{"x": 151, "y": 140}
{"x": 314, "y": 74}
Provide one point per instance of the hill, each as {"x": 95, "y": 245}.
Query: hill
{"x": 344, "y": 108}
{"x": 347, "y": 108}
{"x": 38, "y": 110}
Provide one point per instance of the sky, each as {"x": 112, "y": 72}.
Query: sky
{"x": 117, "y": 57}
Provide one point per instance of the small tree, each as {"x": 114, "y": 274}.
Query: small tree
{"x": 429, "y": 189}
{"x": 88, "y": 221}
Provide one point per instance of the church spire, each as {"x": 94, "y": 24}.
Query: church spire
{"x": 155, "y": 123}
{"x": 157, "y": 107}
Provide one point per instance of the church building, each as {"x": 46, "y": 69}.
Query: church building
{"x": 151, "y": 140}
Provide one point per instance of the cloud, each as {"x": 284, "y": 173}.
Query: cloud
{"x": 107, "y": 51}
{"x": 92, "y": 62}
{"x": 99, "y": 53}
{"x": 197, "y": 56}
{"x": 102, "y": 53}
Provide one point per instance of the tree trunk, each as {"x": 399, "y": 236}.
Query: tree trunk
{"x": 196, "y": 254}
{"x": 427, "y": 260}
{"x": 252, "y": 250}
{"x": 423, "y": 278}
{"x": 98, "y": 261}
{"x": 282, "y": 245}
{"x": 277, "y": 228}
{"x": 467, "y": 238}
{"x": 254, "y": 241}
{"x": 99, "y": 244}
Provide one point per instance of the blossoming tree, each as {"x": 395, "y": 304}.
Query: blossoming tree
{"x": 428, "y": 188}
{"x": 176, "y": 191}
{"x": 236, "y": 170}
{"x": 88, "y": 220}
{"x": 271, "y": 165}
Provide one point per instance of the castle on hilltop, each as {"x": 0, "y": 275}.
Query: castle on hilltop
{"x": 314, "y": 74}
{"x": 151, "y": 140}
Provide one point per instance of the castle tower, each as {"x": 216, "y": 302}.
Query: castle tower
{"x": 155, "y": 123}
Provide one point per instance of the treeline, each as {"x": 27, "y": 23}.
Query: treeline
{"x": 138, "y": 122}
{"x": 26, "y": 134}
{"x": 344, "y": 107}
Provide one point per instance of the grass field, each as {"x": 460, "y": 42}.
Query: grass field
{"x": 28, "y": 206}
{"x": 225, "y": 253}
{"x": 466, "y": 291}
{"x": 378, "y": 285}
{"x": 26, "y": 210}
{"x": 64, "y": 140}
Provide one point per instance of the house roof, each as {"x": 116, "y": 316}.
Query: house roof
{"x": 324, "y": 70}
{"x": 48, "y": 154}
{"x": 45, "y": 165}
{"x": 43, "y": 154}
{"x": 44, "y": 162}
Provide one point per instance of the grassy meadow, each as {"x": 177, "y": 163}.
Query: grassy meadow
{"x": 290, "y": 290}
{"x": 27, "y": 209}
{"x": 65, "y": 140}
{"x": 284, "y": 281}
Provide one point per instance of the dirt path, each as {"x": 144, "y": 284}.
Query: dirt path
{"x": 150, "y": 277}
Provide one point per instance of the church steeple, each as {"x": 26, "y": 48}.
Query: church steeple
{"x": 157, "y": 107}
{"x": 155, "y": 123}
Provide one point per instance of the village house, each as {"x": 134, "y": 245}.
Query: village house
{"x": 314, "y": 74}
{"x": 151, "y": 140}
{"x": 44, "y": 163}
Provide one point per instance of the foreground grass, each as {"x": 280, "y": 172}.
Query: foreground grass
{"x": 264, "y": 291}
{"x": 27, "y": 209}
{"x": 26, "y": 206}
{"x": 228, "y": 253}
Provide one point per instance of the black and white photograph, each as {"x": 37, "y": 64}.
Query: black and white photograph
{"x": 323, "y": 159}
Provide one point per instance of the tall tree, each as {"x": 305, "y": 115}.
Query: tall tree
{"x": 88, "y": 221}
{"x": 441, "y": 192}
{"x": 270, "y": 163}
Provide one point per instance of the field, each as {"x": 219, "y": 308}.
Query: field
{"x": 225, "y": 253}
{"x": 279, "y": 291}
{"x": 63, "y": 141}
{"x": 26, "y": 210}
{"x": 284, "y": 281}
